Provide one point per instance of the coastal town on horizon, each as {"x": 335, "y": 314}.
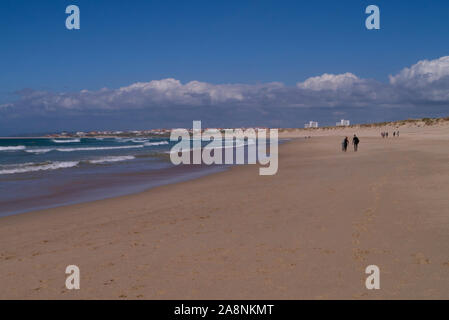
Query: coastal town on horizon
{"x": 165, "y": 132}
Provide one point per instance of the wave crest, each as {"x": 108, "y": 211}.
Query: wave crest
{"x": 32, "y": 167}
{"x": 66, "y": 140}
{"x": 111, "y": 159}
{"x": 12, "y": 148}
{"x": 159, "y": 143}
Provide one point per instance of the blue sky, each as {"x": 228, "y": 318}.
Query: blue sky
{"x": 237, "y": 43}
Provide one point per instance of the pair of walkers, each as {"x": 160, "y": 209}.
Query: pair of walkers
{"x": 355, "y": 143}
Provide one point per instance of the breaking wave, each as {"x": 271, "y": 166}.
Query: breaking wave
{"x": 148, "y": 144}
{"x": 66, "y": 140}
{"x": 12, "y": 148}
{"x": 45, "y": 150}
{"x": 31, "y": 167}
{"x": 111, "y": 159}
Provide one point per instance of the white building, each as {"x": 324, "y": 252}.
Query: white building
{"x": 343, "y": 123}
{"x": 311, "y": 124}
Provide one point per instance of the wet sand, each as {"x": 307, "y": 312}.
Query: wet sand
{"x": 307, "y": 232}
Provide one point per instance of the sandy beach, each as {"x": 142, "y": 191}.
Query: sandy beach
{"x": 307, "y": 232}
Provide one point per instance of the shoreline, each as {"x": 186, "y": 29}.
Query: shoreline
{"x": 69, "y": 187}
{"x": 307, "y": 232}
{"x": 118, "y": 198}
{"x": 164, "y": 176}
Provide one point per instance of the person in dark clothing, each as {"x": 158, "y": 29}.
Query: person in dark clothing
{"x": 344, "y": 144}
{"x": 355, "y": 142}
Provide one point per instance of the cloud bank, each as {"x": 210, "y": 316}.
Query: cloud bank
{"x": 419, "y": 87}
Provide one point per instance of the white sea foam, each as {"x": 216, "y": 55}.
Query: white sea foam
{"x": 45, "y": 150}
{"x": 12, "y": 148}
{"x": 66, "y": 140}
{"x": 139, "y": 140}
{"x": 111, "y": 159}
{"x": 38, "y": 150}
{"x": 159, "y": 143}
{"x": 31, "y": 167}
{"x": 97, "y": 148}
{"x": 135, "y": 140}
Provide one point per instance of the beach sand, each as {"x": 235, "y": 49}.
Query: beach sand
{"x": 307, "y": 232}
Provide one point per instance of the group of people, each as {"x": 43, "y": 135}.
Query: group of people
{"x": 385, "y": 134}
{"x": 355, "y": 143}
{"x": 356, "y": 140}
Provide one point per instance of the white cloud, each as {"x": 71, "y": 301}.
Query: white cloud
{"x": 424, "y": 83}
{"x": 153, "y": 94}
{"x": 422, "y": 73}
{"x": 329, "y": 82}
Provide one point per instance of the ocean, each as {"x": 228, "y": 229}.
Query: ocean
{"x": 40, "y": 173}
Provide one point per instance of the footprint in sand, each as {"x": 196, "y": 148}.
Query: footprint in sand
{"x": 420, "y": 258}
{"x": 108, "y": 282}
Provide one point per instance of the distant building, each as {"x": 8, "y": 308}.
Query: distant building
{"x": 343, "y": 123}
{"x": 311, "y": 124}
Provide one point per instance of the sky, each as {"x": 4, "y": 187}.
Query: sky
{"x": 147, "y": 64}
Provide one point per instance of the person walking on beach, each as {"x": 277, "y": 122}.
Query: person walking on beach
{"x": 355, "y": 142}
{"x": 344, "y": 144}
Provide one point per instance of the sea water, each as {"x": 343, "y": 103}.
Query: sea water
{"x": 39, "y": 173}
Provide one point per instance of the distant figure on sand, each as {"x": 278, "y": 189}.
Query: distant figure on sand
{"x": 344, "y": 144}
{"x": 355, "y": 142}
